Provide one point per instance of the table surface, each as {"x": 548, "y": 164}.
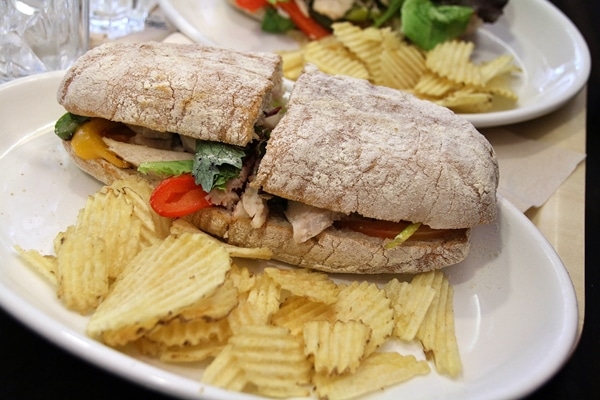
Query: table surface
{"x": 561, "y": 219}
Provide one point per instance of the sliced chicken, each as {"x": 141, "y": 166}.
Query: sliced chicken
{"x": 136, "y": 154}
{"x": 255, "y": 206}
{"x": 334, "y": 9}
{"x": 308, "y": 221}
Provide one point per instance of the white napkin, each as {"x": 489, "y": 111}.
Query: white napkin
{"x": 530, "y": 171}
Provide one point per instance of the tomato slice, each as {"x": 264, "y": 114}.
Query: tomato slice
{"x": 380, "y": 229}
{"x": 178, "y": 196}
{"x": 387, "y": 229}
{"x": 251, "y": 5}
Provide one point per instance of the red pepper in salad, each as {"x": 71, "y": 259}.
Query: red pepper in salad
{"x": 305, "y": 23}
{"x": 252, "y": 5}
{"x": 311, "y": 28}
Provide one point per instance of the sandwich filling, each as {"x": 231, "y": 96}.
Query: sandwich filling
{"x": 220, "y": 175}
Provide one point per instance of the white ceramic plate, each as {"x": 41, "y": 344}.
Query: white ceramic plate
{"x": 516, "y": 312}
{"x": 549, "y": 49}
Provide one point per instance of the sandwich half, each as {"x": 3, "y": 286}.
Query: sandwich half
{"x": 347, "y": 170}
{"x": 355, "y": 165}
{"x": 147, "y": 105}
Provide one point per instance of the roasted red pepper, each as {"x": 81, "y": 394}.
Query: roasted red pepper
{"x": 311, "y": 28}
{"x": 306, "y": 24}
{"x": 178, "y": 196}
{"x": 252, "y": 5}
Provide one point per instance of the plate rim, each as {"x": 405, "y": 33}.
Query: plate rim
{"x": 479, "y": 120}
{"x": 84, "y": 347}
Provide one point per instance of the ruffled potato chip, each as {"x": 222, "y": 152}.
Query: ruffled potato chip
{"x": 361, "y": 301}
{"x": 335, "y": 60}
{"x": 313, "y": 285}
{"x": 436, "y": 333}
{"x": 178, "y": 332}
{"x": 296, "y": 311}
{"x": 273, "y": 360}
{"x": 268, "y": 331}
{"x": 445, "y": 75}
{"x": 366, "y": 44}
{"x": 336, "y": 347}
{"x": 380, "y": 370}
{"x": 160, "y": 282}
{"x": 46, "y": 265}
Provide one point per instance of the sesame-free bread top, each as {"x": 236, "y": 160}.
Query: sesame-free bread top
{"x": 349, "y": 146}
{"x": 199, "y": 91}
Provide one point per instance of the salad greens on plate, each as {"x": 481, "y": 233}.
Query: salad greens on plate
{"x": 426, "y": 23}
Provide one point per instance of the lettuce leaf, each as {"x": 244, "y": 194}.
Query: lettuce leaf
{"x": 273, "y": 22}
{"x": 166, "y": 168}
{"x": 427, "y": 24}
{"x": 213, "y": 165}
{"x": 488, "y": 10}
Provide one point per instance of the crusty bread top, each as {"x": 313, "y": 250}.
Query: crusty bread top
{"x": 349, "y": 146}
{"x": 199, "y": 91}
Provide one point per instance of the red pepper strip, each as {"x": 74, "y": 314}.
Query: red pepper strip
{"x": 306, "y": 24}
{"x": 252, "y": 5}
{"x": 178, "y": 196}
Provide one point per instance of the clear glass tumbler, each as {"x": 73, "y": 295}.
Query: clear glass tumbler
{"x": 41, "y": 35}
{"x": 117, "y": 18}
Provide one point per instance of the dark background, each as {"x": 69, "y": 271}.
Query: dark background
{"x": 32, "y": 368}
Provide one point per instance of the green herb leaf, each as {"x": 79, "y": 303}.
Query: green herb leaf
{"x": 216, "y": 163}
{"x": 66, "y": 125}
{"x": 273, "y": 22}
{"x": 428, "y": 25}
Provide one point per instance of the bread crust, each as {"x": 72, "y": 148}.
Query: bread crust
{"x": 102, "y": 170}
{"x": 382, "y": 153}
{"x": 134, "y": 83}
{"x": 335, "y": 250}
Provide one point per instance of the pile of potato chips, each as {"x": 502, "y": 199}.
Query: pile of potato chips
{"x": 174, "y": 293}
{"x": 445, "y": 75}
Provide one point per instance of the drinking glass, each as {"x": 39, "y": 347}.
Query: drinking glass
{"x": 117, "y": 18}
{"x": 41, "y": 35}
